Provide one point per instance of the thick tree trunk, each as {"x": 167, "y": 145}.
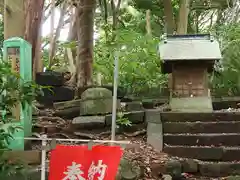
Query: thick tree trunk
{"x": 85, "y": 34}
{"x": 33, "y": 20}
{"x": 183, "y": 17}
{"x": 169, "y": 17}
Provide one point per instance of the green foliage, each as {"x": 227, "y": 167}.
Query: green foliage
{"x": 11, "y": 168}
{"x": 227, "y": 81}
{"x": 13, "y": 90}
{"x": 123, "y": 121}
{"x": 139, "y": 63}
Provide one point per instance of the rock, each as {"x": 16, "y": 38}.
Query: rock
{"x": 213, "y": 169}
{"x": 190, "y": 166}
{"x": 89, "y": 122}
{"x": 50, "y": 78}
{"x": 67, "y": 104}
{"x": 128, "y": 171}
{"x": 63, "y": 93}
{"x": 148, "y": 104}
{"x": 47, "y": 99}
{"x": 120, "y": 91}
{"x": 158, "y": 168}
{"x": 233, "y": 178}
{"x": 134, "y": 106}
{"x": 56, "y": 94}
{"x": 68, "y": 113}
{"x": 174, "y": 168}
{"x": 96, "y": 101}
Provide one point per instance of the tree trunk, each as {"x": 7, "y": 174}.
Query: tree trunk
{"x": 169, "y": 17}
{"x": 71, "y": 52}
{"x": 148, "y": 23}
{"x": 52, "y": 18}
{"x": 57, "y": 34}
{"x": 85, "y": 24}
{"x": 33, "y": 20}
{"x": 183, "y": 17}
{"x": 115, "y": 11}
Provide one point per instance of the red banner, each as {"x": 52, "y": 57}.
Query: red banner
{"x": 79, "y": 163}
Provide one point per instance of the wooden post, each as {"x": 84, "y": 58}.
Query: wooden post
{"x": 14, "y": 22}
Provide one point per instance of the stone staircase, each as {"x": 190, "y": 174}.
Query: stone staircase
{"x": 213, "y": 139}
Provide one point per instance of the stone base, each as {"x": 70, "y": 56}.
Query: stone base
{"x": 155, "y": 136}
{"x": 191, "y": 104}
{"x": 154, "y": 128}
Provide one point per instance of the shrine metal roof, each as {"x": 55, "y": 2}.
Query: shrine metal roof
{"x": 189, "y": 47}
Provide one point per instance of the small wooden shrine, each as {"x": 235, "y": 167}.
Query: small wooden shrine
{"x": 189, "y": 58}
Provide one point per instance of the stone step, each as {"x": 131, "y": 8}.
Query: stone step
{"x": 218, "y": 139}
{"x": 202, "y": 116}
{"x": 202, "y": 127}
{"x": 205, "y": 153}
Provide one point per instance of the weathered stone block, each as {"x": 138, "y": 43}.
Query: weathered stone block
{"x": 155, "y": 136}
{"x": 67, "y": 104}
{"x": 153, "y": 115}
{"x": 134, "y": 106}
{"x": 174, "y": 167}
{"x": 95, "y": 107}
{"x": 233, "y": 178}
{"x": 67, "y": 113}
{"x": 89, "y": 122}
{"x": 128, "y": 171}
{"x": 96, "y": 101}
{"x": 135, "y": 117}
{"x": 49, "y": 78}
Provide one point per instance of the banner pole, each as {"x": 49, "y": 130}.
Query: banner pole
{"x": 44, "y": 153}
{"x": 115, "y": 86}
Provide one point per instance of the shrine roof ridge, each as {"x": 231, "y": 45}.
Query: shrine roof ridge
{"x": 188, "y": 36}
